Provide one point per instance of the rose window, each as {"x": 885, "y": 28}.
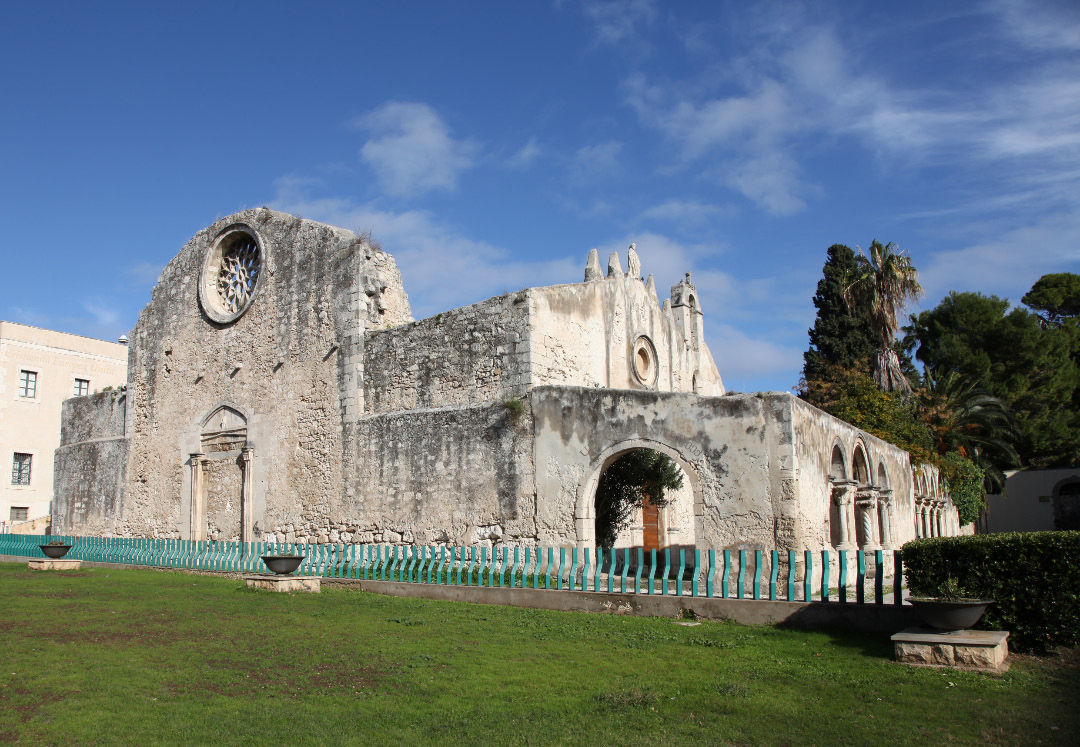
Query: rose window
{"x": 240, "y": 265}
{"x": 230, "y": 274}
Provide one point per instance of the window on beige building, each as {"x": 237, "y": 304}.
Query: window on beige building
{"x": 20, "y": 469}
{"x": 82, "y": 387}
{"x": 19, "y": 513}
{"x": 28, "y": 384}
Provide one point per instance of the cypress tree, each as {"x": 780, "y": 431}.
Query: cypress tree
{"x": 839, "y": 337}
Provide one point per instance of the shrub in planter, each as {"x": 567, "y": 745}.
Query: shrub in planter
{"x": 1034, "y": 576}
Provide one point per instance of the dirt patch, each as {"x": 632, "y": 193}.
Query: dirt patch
{"x": 26, "y": 703}
{"x": 242, "y": 679}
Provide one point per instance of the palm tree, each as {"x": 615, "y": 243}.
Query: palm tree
{"x": 885, "y": 282}
{"x": 965, "y": 418}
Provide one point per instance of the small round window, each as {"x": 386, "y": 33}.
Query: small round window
{"x": 643, "y": 361}
{"x": 230, "y": 274}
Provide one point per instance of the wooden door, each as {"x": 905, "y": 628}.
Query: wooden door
{"x": 651, "y": 523}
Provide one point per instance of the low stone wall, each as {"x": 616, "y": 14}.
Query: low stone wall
{"x": 88, "y": 488}
{"x": 93, "y": 416}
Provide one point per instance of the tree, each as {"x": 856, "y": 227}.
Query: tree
{"x": 966, "y": 482}
{"x": 1014, "y": 358}
{"x": 635, "y": 477}
{"x": 885, "y": 282}
{"x": 849, "y": 393}
{"x": 1055, "y": 297}
{"x": 840, "y": 336}
{"x": 966, "y": 420}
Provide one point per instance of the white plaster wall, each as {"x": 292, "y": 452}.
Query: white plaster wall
{"x": 582, "y": 335}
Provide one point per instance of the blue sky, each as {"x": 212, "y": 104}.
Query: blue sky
{"x": 490, "y": 145}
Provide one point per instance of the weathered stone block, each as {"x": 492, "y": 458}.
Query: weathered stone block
{"x": 49, "y": 564}
{"x": 284, "y": 583}
{"x": 965, "y": 649}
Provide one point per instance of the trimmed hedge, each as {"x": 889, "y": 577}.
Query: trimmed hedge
{"x": 1034, "y": 576}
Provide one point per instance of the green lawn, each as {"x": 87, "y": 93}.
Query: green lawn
{"x": 102, "y": 656}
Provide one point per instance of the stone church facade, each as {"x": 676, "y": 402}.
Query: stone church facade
{"x": 279, "y": 389}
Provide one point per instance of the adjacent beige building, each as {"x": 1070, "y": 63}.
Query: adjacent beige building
{"x": 39, "y": 369}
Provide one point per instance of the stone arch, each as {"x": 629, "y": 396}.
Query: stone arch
{"x": 585, "y": 511}
{"x": 882, "y": 476}
{"x": 222, "y": 476}
{"x": 838, "y": 464}
{"x": 838, "y": 476}
{"x": 860, "y": 464}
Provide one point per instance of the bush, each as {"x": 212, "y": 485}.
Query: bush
{"x": 1033, "y": 576}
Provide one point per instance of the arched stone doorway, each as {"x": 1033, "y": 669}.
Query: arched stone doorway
{"x": 677, "y": 524}
{"x": 221, "y": 478}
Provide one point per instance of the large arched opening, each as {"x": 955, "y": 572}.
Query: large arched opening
{"x": 860, "y": 471}
{"x": 671, "y": 526}
{"x": 837, "y": 474}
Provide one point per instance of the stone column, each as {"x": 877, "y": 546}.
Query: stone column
{"x": 885, "y": 518}
{"x": 866, "y": 502}
{"x": 246, "y": 494}
{"x": 198, "y": 496}
{"x": 842, "y": 495}
{"x": 940, "y": 520}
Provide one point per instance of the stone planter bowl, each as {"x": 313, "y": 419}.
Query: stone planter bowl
{"x": 283, "y": 564}
{"x": 950, "y": 614}
{"x": 55, "y": 551}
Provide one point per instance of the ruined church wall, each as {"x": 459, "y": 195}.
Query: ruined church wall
{"x": 291, "y": 365}
{"x": 89, "y": 464}
{"x": 93, "y": 416}
{"x": 728, "y": 447}
{"x": 583, "y": 335}
{"x": 458, "y": 475}
{"x": 478, "y": 353}
{"x": 816, "y": 433}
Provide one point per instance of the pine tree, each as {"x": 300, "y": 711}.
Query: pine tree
{"x": 839, "y": 337}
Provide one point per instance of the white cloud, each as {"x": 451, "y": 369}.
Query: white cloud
{"x": 618, "y": 20}
{"x": 144, "y": 273}
{"x": 1041, "y": 25}
{"x": 103, "y": 316}
{"x": 1006, "y": 265}
{"x": 525, "y": 157}
{"x": 441, "y": 267}
{"x": 596, "y": 162}
{"x": 745, "y": 125}
{"x": 743, "y": 360}
{"x": 411, "y": 149}
{"x": 687, "y": 212}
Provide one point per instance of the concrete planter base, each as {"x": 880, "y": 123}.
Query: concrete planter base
{"x": 49, "y": 564}
{"x": 284, "y": 583}
{"x": 980, "y": 650}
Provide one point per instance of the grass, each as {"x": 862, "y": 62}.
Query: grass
{"x": 103, "y": 656}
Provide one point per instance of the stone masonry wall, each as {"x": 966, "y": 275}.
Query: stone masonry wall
{"x": 816, "y": 433}
{"x": 93, "y": 416}
{"x": 287, "y": 365}
{"x": 450, "y": 475}
{"x": 89, "y": 464}
{"x": 725, "y": 445}
{"x": 478, "y": 353}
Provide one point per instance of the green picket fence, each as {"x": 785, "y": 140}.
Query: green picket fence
{"x": 727, "y": 574}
